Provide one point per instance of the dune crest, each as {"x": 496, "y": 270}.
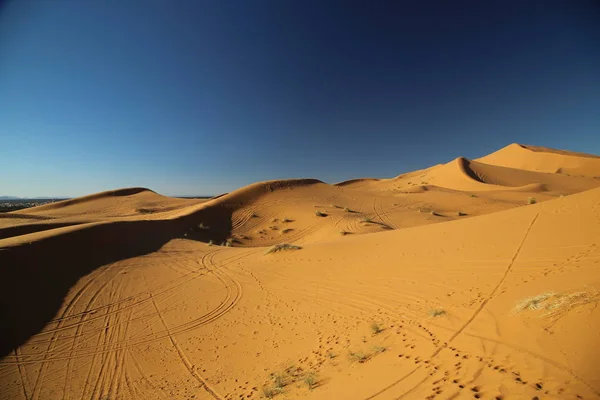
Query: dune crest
{"x": 541, "y": 159}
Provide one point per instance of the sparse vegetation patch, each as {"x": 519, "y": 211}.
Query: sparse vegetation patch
{"x": 310, "y": 380}
{"x": 531, "y": 200}
{"x": 358, "y": 356}
{"x": 379, "y": 349}
{"x": 436, "y": 312}
{"x": 556, "y": 305}
{"x": 376, "y": 328}
{"x": 320, "y": 214}
{"x": 282, "y": 247}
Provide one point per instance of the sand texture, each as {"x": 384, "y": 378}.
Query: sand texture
{"x": 470, "y": 279}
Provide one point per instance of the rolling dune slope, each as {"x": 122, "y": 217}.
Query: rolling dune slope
{"x": 444, "y": 283}
{"x": 535, "y": 158}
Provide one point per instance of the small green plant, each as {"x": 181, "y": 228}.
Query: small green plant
{"x": 286, "y": 220}
{"x": 435, "y": 214}
{"x": 253, "y": 215}
{"x": 287, "y": 230}
{"x": 358, "y": 356}
{"x": 367, "y": 220}
{"x": 436, "y": 312}
{"x": 273, "y": 228}
{"x": 346, "y": 209}
{"x": 531, "y": 200}
{"x": 344, "y": 233}
{"x": 376, "y": 328}
{"x": 201, "y": 226}
{"x": 320, "y": 214}
{"x": 460, "y": 214}
{"x": 211, "y": 242}
{"x": 379, "y": 349}
{"x": 227, "y": 243}
{"x": 281, "y": 247}
{"x": 473, "y": 195}
{"x": 331, "y": 355}
{"x": 310, "y": 380}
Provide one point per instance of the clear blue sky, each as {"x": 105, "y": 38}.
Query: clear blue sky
{"x": 202, "y": 97}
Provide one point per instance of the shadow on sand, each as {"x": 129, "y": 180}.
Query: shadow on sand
{"x": 38, "y": 275}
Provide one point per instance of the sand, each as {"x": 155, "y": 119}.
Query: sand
{"x": 470, "y": 279}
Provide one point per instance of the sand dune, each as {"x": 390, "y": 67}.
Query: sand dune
{"x": 444, "y": 283}
{"x": 535, "y": 158}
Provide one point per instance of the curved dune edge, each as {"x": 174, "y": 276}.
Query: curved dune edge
{"x": 95, "y": 196}
{"x": 540, "y": 159}
{"x": 356, "y": 181}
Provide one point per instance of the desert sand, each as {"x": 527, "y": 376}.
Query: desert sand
{"x": 469, "y": 279}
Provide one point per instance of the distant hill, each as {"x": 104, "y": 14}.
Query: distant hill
{"x": 34, "y": 198}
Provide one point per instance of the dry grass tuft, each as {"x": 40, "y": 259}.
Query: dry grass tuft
{"x": 436, "y": 312}
{"x": 379, "y": 349}
{"x": 531, "y": 200}
{"x": 279, "y": 381}
{"x": 555, "y": 305}
{"x": 281, "y": 247}
{"x": 269, "y": 392}
{"x": 376, "y": 328}
{"x": 310, "y": 380}
{"x": 358, "y": 356}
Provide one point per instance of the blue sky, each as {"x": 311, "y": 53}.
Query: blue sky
{"x": 202, "y": 97}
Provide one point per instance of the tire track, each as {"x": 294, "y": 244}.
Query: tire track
{"x": 227, "y": 304}
{"x": 106, "y": 356}
{"x": 21, "y": 368}
{"x": 184, "y": 359}
{"x": 491, "y": 295}
{"x": 52, "y": 343}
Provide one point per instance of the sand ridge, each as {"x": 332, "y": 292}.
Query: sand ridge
{"x": 470, "y": 279}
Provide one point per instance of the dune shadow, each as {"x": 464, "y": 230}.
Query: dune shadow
{"x": 38, "y": 275}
